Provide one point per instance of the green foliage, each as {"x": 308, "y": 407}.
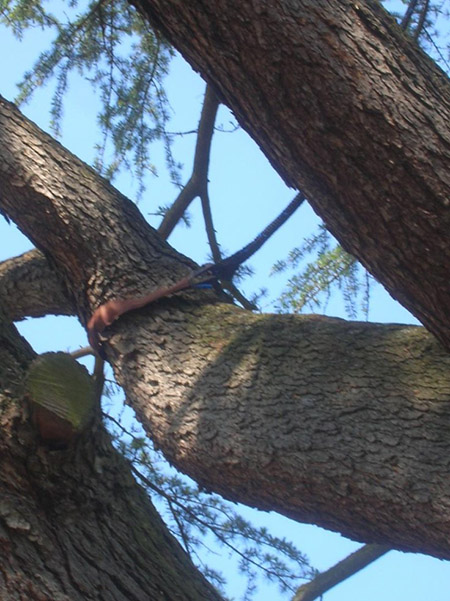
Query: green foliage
{"x": 332, "y": 267}
{"x": 200, "y": 519}
{"x": 123, "y": 59}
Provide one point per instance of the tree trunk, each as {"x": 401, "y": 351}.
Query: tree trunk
{"x": 74, "y": 525}
{"x": 340, "y": 424}
{"x": 346, "y": 109}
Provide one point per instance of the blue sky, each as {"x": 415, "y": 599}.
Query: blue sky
{"x": 246, "y": 194}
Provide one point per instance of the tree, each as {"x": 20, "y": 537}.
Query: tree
{"x": 337, "y": 423}
{"x": 368, "y": 65}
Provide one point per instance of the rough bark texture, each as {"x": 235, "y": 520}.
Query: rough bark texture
{"x": 82, "y": 212}
{"x": 74, "y": 526}
{"x": 29, "y": 287}
{"x": 340, "y": 424}
{"x": 347, "y": 110}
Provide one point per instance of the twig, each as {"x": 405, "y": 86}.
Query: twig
{"x": 82, "y": 352}
{"x": 230, "y": 264}
{"x": 237, "y": 295}
{"x": 217, "y": 255}
{"x": 216, "y": 530}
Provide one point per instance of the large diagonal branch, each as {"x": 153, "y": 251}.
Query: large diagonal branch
{"x": 72, "y": 215}
{"x": 29, "y": 287}
{"x": 336, "y": 423}
{"x": 348, "y": 110}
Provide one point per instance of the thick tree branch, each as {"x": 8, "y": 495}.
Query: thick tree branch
{"x": 335, "y": 423}
{"x": 82, "y": 212}
{"x": 29, "y": 287}
{"x": 349, "y": 111}
{"x": 262, "y": 408}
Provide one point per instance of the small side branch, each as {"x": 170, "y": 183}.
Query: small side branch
{"x": 341, "y": 571}
{"x": 245, "y": 253}
{"x": 227, "y": 267}
{"x": 82, "y": 352}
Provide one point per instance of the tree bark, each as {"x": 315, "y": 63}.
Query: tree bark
{"x": 337, "y": 423}
{"x": 29, "y": 287}
{"x": 348, "y": 110}
{"x": 74, "y": 525}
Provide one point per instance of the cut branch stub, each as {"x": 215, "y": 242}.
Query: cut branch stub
{"x": 62, "y": 394}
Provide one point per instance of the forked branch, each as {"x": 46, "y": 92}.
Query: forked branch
{"x": 198, "y": 182}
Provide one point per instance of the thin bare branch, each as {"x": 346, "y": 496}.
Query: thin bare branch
{"x": 422, "y": 18}
{"x": 209, "y": 226}
{"x": 99, "y": 378}
{"x": 245, "y": 253}
{"x": 198, "y": 181}
{"x": 237, "y": 295}
{"x": 408, "y": 14}
{"x": 252, "y": 247}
